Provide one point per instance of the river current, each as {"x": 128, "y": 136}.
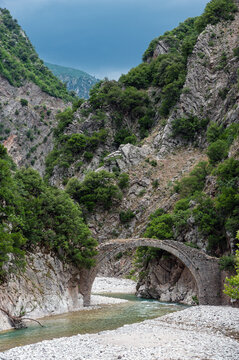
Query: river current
{"x": 108, "y": 317}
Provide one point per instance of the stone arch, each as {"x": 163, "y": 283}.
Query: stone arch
{"x": 204, "y": 268}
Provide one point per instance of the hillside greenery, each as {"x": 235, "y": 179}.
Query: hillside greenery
{"x": 231, "y": 287}
{"x": 168, "y": 71}
{"x": 215, "y": 217}
{"x": 98, "y": 189}
{"x": 19, "y": 61}
{"x": 74, "y": 147}
{"x": 34, "y": 215}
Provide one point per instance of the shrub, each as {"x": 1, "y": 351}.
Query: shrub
{"x": 214, "y": 132}
{"x": 123, "y": 180}
{"x": 189, "y": 127}
{"x": 23, "y": 102}
{"x": 217, "y": 151}
{"x": 126, "y": 216}
{"x": 227, "y": 262}
{"x": 194, "y": 182}
{"x": 231, "y": 287}
{"x": 97, "y": 189}
{"x": 160, "y": 227}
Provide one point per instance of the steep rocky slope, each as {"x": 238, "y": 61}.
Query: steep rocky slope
{"x": 166, "y": 152}
{"x": 210, "y": 91}
{"x": 27, "y": 120}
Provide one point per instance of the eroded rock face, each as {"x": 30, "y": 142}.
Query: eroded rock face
{"x": 167, "y": 279}
{"x": 47, "y": 287}
{"x": 210, "y": 90}
{"x": 26, "y": 130}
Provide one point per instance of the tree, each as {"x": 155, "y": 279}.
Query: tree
{"x": 232, "y": 284}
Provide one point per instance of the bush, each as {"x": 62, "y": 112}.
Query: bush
{"x": 97, "y": 189}
{"x": 160, "y": 227}
{"x": 123, "y": 180}
{"x": 217, "y": 151}
{"x": 126, "y": 216}
{"x": 195, "y": 182}
{"x": 189, "y": 127}
{"x": 214, "y": 132}
{"x": 227, "y": 262}
{"x": 23, "y": 102}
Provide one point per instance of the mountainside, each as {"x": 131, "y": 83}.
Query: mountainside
{"x": 19, "y": 61}
{"x": 153, "y": 155}
{"x": 176, "y": 114}
{"x": 76, "y": 80}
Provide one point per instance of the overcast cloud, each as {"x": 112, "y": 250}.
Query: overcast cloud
{"x": 102, "y": 37}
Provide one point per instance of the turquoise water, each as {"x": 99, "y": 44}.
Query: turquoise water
{"x": 109, "y": 317}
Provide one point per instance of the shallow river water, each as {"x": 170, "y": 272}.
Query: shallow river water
{"x": 108, "y": 317}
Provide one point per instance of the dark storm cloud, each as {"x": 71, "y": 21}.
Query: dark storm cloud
{"x": 103, "y": 37}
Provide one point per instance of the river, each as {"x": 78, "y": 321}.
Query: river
{"x": 108, "y": 317}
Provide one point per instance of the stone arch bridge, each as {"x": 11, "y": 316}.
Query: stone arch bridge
{"x": 203, "y": 268}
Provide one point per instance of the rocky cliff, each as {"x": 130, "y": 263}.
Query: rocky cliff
{"x": 46, "y": 287}
{"x": 27, "y": 121}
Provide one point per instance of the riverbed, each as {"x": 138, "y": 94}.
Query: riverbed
{"x": 195, "y": 333}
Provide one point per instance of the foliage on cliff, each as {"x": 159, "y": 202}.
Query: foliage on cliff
{"x": 19, "y": 61}
{"x": 34, "y": 215}
{"x": 215, "y": 217}
{"x": 232, "y": 283}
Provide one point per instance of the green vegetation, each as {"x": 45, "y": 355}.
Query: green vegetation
{"x": 98, "y": 189}
{"x": 215, "y": 11}
{"x": 188, "y": 128}
{"x": 215, "y": 216}
{"x": 125, "y": 102}
{"x": 19, "y": 61}
{"x": 168, "y": 71}
{"x": 232, "y": 283}
{"x": 33, "y": 215}
{"x": 69, "y": 148}
{"x": 24, "y": 102}
{"x": 126, "y": 216}
{"x": 123, "y": 181}
{"x": 227, "y": 262}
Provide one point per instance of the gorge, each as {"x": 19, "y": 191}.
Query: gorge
{"x": 139, "y": 181}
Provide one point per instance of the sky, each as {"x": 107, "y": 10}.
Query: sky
{"x": 102, "y": 37}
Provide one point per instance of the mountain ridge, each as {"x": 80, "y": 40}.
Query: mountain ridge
{"x": 76, "y": 80}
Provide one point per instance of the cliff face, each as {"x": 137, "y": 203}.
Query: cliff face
{"x": 211, "y": 87}
{"x": 27, "y": 120}
{"x": 46, "y": 287}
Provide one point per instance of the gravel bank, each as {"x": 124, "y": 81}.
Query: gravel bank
{"x": 197, "y": 333}
{"x": 113, "y": 285}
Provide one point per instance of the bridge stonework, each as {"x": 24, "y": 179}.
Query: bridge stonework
{"x": 204, "y": 269}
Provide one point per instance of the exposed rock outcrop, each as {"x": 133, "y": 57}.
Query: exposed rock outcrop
{"x": 47, "y": 287}
{"x": 167, "y": 279}
{"x": 26, "y": 129}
